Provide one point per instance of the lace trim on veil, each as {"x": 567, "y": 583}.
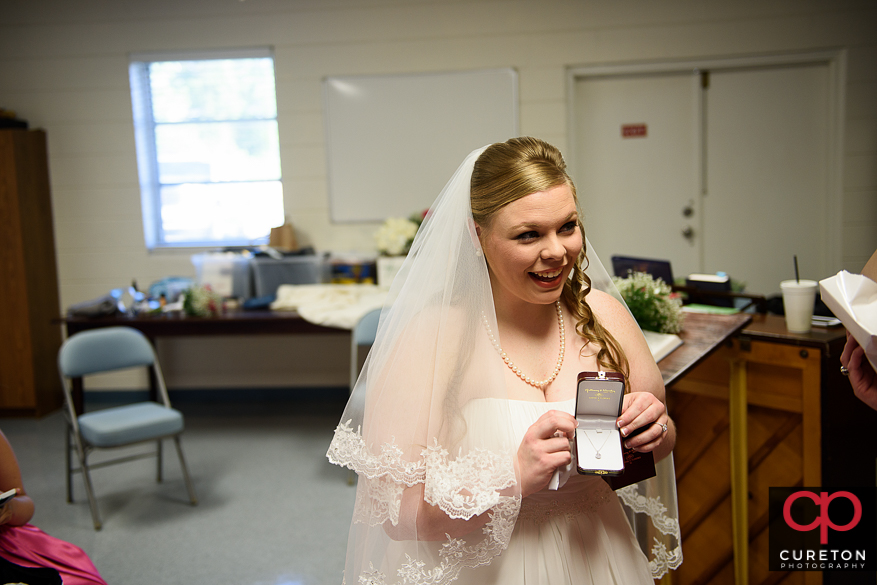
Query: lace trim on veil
{"x": 464, "y": 487}
{"x": 454, "y": 554}
{"x": 348, "y": 449}
{"x": 662, "y": 559}
{"x": 467, "y": 486}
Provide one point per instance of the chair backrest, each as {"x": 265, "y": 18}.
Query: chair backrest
{"x": 363, "y": 333}
{"x": 366, "y": 328}
{"x": 104, "y": 350}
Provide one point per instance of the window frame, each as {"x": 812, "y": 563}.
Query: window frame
{"x": 147, "y": 150}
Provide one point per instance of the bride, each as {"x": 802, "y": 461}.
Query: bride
{"x": 460, "y": 424}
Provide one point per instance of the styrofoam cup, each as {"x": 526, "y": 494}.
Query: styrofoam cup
{"x": 799, "y": 296}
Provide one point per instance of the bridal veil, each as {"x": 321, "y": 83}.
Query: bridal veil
{"x": 404, "y": 432}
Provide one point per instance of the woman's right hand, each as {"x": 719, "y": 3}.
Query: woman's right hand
{"x": 544, "y": 448}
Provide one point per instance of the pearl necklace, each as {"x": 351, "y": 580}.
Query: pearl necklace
{"x": 505, "y": 358}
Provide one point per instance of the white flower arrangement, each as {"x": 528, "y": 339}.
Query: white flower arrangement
{"x": 652, "y": 302}
{"x": 395, "y": 236}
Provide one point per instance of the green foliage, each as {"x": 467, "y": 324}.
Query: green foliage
{"x": 652, "y": 302}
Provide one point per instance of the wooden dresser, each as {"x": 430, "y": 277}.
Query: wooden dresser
{"x": 30, "y": 332}
{"x": 768, "y": 409}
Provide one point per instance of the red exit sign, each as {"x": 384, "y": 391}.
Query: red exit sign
{"x": 634, "y": 130}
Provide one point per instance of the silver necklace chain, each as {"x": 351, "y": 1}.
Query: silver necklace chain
{"x": 505, "y": 358}
{"x": 597, "y": 451}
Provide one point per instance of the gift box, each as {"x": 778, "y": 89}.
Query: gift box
{"x": 599, "y": 397}
{"x": 599, "y": 450}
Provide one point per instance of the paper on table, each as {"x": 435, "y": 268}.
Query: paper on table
{"x": 853, "y": 299}
{"x": 661, "y": 344}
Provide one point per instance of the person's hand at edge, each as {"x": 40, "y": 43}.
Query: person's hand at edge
{"x": 860, "y": 372}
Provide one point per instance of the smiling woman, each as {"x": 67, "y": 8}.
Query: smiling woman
{"x": 537, "y": 239}
{"x": 462, "y": 416}
{"x": 524, "y": 182}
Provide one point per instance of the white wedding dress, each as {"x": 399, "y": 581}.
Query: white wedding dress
{"x": 576, "y": 535}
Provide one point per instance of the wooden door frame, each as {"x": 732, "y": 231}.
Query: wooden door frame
{"x": 835, "y": 59}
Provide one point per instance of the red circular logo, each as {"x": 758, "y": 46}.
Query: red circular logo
{"x": 823, "y": 522}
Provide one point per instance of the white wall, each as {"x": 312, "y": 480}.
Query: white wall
{"x": 64, "y": 67}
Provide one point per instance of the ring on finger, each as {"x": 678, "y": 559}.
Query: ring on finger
{"x": 662, "y": 425}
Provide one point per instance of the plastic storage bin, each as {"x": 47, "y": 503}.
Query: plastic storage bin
{"x": 227, "y": 273}
{"x": 270, "y": 273}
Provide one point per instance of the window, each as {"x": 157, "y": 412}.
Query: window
{"x": 208, "y": 151}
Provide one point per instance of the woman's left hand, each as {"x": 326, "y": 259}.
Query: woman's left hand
{"x": 643, "y": 409}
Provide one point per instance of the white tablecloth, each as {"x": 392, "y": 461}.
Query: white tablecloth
{"x": 333, "y": 305}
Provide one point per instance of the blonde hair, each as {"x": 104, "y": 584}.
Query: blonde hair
{"x": 508, "y": 171}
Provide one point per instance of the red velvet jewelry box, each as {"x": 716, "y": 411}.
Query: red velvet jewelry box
{"x": 599, "y": 398}
{"x": 597, "y": 443}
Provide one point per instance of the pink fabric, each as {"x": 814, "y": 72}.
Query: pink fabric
{"x": 29, "y": 546}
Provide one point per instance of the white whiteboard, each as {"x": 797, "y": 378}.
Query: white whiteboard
{"x": 394, "y": 141}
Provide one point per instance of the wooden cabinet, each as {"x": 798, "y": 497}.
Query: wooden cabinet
{"x": 30, "y": 332}
{"x": 769, "y": 409}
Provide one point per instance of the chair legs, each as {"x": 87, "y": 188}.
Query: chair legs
{"x": 82, "y": 455}
{"x": 92, "y": 502}
{"x": 190, "y": 487}
{"x": 186, "y": 478}
{"x": 158, "y": 458}
{"x": 69, "y": 462}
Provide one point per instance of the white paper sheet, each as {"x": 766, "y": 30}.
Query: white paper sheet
{"x": 853, "y": 299}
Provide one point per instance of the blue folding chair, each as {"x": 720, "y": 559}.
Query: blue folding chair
{"x": 363, "y": 334}
{"x": 104, "y": 350}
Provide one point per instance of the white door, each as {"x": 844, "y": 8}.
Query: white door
{"x": 636, "y": 166}
{"x": 741, "y": 170}
{"x": 767, "y": 175}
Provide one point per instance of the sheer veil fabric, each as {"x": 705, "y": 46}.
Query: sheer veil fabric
{"x": 404, "y": 430}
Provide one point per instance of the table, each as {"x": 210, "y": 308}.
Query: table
{"x": 702, "y": 335}
{"x": 227, "y": 323}
{"x": 154, "y": 326}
